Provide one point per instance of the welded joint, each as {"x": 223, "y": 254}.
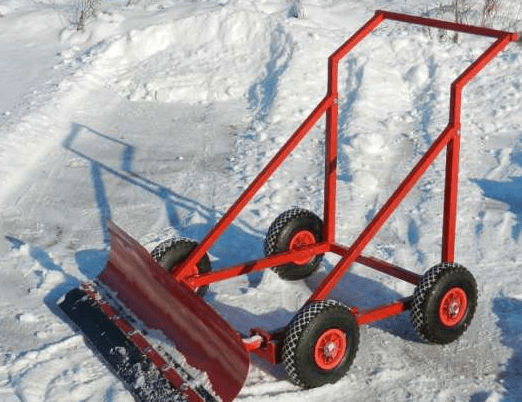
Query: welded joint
{"x": 146, "y": 350}
{"x": 166, "y": 367}
{"x": 454, "y": 127}
{"x": 253, "y": 342}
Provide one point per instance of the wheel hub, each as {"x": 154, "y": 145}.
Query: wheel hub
{"x": 330, "y": 349}
{"x": 302, "y": 239}
{"x": 453, "y": 307}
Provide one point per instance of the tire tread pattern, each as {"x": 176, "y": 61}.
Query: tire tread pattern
{"x": 294, "y": 331}
{"x": 272, "y": 237}
{"x": 278, "y": 224}
{"x": 159, "y": 251}
{"x": 423, "y": 290}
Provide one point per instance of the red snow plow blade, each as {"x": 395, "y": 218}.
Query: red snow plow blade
{"x": 207, "y": 342}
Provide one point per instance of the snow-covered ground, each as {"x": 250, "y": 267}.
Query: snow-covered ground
{"x": 160, "y": 113}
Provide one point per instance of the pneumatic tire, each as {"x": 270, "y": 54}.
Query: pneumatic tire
{"x": 444, "y": 303}
{"x": 320, "y": 343}
{"x": 170, "y": 253}
{"x": 292, "y": 230}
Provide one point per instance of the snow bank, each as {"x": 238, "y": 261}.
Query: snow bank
{"x": 189, "y": 59}
{"x": 192, "y": 59}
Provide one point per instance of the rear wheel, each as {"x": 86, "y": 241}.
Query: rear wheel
{"x": 444, "y": 303}
{"x": 293, "y": 230}
{"x": 171, "y": 253}
{"x": 320, "y": 343}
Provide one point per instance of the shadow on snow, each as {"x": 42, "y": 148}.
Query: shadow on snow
{"x": 509, "y": 314}
{"x": 353, "y": 290}
{"x": 91, "y": 263}
{"x": 508, "y": 192}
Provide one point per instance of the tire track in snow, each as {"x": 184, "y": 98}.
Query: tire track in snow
{"x": 375, "y": 139}
{"x": 273, "y": 121}
{"x": 263, "y": 93}
{"x": 255, "y": 145}
{"x": 423, "y": 79}
{"x": 355, "y": 76}
{"x": 490, "y": 162}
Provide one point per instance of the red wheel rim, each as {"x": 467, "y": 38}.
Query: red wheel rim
{"x": 330, "y": 349}
{"x": 453, "y": 307}
{"x": 302, "y": 239}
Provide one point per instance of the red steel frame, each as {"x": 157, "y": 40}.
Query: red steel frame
{"x": 449, "y": 139}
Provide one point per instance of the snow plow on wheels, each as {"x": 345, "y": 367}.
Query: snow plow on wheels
{"x": 143, "y": 299}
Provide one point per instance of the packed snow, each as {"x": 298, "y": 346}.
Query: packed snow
{"x": 160, "y": 112}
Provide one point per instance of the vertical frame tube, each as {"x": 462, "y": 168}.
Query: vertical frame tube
{"x": 329, "y": 105}
{"x": 330, "y": 183}
{"x": 450, "y": 199}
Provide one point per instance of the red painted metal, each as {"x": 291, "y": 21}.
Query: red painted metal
{"x": 381, "y": 217}
{"x": 452, "y": 153}
{"x": 447, "y": 25}
{"x": 257, "y": 265}
{"x": 330, "y": 349}
{"x": 390, "y": 269}
{"x": 208, "y": 342}
{"x": 453, "y": 307}
{"x": 330, "y": 184}
{"x": 379, "y": 265}
{"x": 205, "y": 339}
{"x": 382, "y": 312}
{"x": 252, "y": 189}
{"x": 270, "y": 348}
{"x": 254, "y": 343}
{"x": 449, "y": 139}
{"x": 450, "y": 199}
{"x": 300, "y": 240}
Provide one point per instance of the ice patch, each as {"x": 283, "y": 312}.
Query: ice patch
{"x": 27, "y": 318}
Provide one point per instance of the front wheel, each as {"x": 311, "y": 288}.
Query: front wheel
{"x": 320, "y": 343}
{"x": 444, "y": 303}
{"x": 171, "y": 253}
